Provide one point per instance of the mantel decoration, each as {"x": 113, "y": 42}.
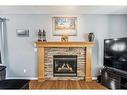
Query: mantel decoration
{"x": 91, "y": 37}
{"x": 41, "y": 35}
{"x": 64, "y": 26}
{"x": 64, "y": 38}
{"x": 44, "y": 35}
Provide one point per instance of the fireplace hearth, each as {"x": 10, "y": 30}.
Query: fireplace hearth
{"x": 65, "y": 65}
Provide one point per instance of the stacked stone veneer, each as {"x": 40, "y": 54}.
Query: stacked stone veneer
{"x": 80, "y": 52}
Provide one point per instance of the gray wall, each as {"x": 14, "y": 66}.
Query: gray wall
{"x": 22, "y": 59}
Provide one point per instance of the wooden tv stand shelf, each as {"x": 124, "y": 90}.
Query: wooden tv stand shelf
{"x": 114, "y": 79}
{"x": 41, "y": 49}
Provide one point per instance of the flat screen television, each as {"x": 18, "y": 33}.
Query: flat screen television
{"x": 115, "y": 53}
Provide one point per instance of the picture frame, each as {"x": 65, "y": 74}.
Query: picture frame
{"x": 22, "y": 32}
{"x": 64, "y": 26}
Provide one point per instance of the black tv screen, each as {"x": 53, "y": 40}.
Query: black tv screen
{"x": 115, "y": 53}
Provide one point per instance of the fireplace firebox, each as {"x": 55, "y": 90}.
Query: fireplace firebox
{"x": 65, "y": 65}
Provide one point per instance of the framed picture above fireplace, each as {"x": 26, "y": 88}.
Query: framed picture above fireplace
{"x": 64, "y": 26}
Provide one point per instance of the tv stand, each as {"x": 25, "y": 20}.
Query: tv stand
{"x": 113, "y": 79}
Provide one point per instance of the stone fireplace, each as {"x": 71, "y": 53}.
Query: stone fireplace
{"x": 65, "y": 65}
{"x": 64, "y": 60}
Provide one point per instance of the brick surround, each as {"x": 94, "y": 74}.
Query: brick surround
{"x": 80, "y": 52}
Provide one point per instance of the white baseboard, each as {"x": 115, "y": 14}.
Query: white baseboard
{"x": 35, "y": 78}
{"x": 30, "y": 78}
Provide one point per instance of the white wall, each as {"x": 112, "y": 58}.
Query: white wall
{"x": 21, "y": 53}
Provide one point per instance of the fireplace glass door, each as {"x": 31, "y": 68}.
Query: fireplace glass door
{"x": 65, "y": 65}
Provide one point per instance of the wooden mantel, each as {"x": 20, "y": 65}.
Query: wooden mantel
{"x": 41, "y": 48}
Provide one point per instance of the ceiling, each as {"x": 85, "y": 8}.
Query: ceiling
{"x": 63, "y": 9}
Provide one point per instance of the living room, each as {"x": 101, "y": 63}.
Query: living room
{"x": 29, "y": 57}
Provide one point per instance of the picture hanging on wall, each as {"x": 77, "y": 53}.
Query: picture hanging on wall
{"x": 22, "y": 32}
{"x": 65, "y": 26}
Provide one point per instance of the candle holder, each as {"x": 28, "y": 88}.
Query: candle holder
{"x": 44, "y": 35}
{"x": 40, "y": 35}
